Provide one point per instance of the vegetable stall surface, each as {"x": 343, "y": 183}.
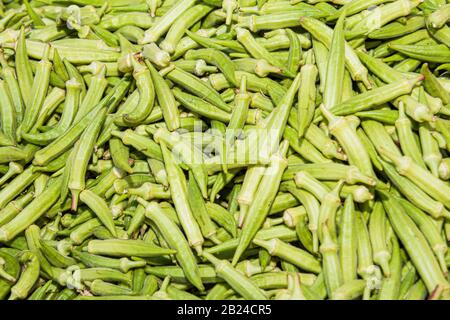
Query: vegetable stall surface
{"x": 236, "y": 149}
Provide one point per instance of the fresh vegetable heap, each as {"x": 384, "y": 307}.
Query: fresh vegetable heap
{"x": 235, "y": 149}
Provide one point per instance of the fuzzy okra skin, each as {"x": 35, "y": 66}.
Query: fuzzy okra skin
{"x": 236, "y": 149}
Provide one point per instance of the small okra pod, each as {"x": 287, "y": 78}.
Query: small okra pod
{"x": 312, "y": 207}
{"x": 267, "y": 190}
{"x": 146, "y": 90}
{"x": 235, "y": 279}
{"x": 82, "y": 156}
{"x": 197, "y": 87}
{"x": 216, "y": 58}
{"x": 14, "y": 168}
{"x": 381, "y": 16}
{"x": 433, "y": 86}
{"x": 334, "y": 80}
{"x": 23, "y": 68}
{"x": 184, "y": 22}
{"x": 32, "y": 212}
{"x": 345, "y": 132}
{"x": 178, "y": 190}
{"x": 99, "y": 206}
{"x": 141, "y": 143}
{"x": 347, "y": 241}
{"x": 429, "y": 230}
{"x": 413, "y": 193}
{"x": 176, "y": 240}
{"x": 28, "y": 277}
{"x": 350, "y": 290}
{"x": 332, "y": 269}
{"x": 126, "y": 248}
{"x": 366, "y": 268}
{"x": 38, "y": 91}
{"x": 199, "y": 209}
{"x": 13, "y": 208}
{"x": 324, "y": 34}
{"x": 415, "y": 244}
{"x": 295, "y": 51}
{"x": 258, "y": 51}
{"x": 164, "y": 23}
{"x": 378, "y": 238}
{"x": 444, "y": 169}
{"x": 120, "y": 155}
{"x": 433, "y": 186}
{"x": 291, "y": 254}
{"x": 376, "y": 96}
{"x": 407, "y": 138}
{"x": 430, "y": 149}
{"x": 307, "y": 92}
{"x": 304, "y": 234}
{"x": 97, "y": 86}
{"x": 390, "y": 286}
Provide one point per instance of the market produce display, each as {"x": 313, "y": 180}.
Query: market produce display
{"x": 235, "y": 149}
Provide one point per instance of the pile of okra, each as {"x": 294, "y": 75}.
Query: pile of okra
{"x": 235, "y": 149}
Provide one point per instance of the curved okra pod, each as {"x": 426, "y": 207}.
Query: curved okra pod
{"x": 176, "y": 240}
{"x": 258, "y": 210}
{"x": 146, "y": 89}
{"x": 415, "y": 244}
{"x": 295, "y": 51}
{"x": 14, "y": 168}
{"x": 120, "y": 155}
{"x": 378, "y": 238}
{"x": 28, "y": 277}
{"x": 235, "y": 279}
{"x": 347, "y": 241}
{"x": 72, "y": 100}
